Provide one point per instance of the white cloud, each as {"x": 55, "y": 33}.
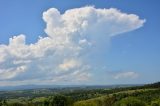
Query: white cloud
{"x": 69, "y": 64}
{"x": 126, "y": 75}
{"x": 89, "y": 21}
{"x": 60, "y": 57}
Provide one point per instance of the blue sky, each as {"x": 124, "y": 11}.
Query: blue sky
{"x": 131, "y": 57}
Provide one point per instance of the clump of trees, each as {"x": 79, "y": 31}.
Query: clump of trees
{"x": 57, "y": 100}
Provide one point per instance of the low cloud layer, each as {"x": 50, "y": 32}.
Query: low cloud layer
{"x": 60, "y": 57}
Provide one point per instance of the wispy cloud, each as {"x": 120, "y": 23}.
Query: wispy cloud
{"x": 126, "y": 75}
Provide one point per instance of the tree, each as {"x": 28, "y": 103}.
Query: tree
{"x": 60, "y": 100}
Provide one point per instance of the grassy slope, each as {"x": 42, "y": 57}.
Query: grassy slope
{"x": 103, "y": 97}
{"x": 109, "y": 100}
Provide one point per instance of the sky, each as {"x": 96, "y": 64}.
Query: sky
{"x": 79, "y": 42}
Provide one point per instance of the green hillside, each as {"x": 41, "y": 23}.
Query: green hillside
{"x": 147, "y": 95}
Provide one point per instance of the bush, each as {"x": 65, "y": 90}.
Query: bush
{"x": 130, "y": 101}
{"x": 156, "y": 103}
{"x": 59, "y": 100}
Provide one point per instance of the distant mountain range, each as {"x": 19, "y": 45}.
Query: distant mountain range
{"x": 26, "y": 87}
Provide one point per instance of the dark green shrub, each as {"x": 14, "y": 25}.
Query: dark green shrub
{"x": 130, "y": 101}
{"x": 59, "y": 100}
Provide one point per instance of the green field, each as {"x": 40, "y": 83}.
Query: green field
{"x": 147, "y": 95}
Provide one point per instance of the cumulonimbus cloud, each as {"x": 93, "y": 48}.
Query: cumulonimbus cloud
{"x": 59, "y": 56}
